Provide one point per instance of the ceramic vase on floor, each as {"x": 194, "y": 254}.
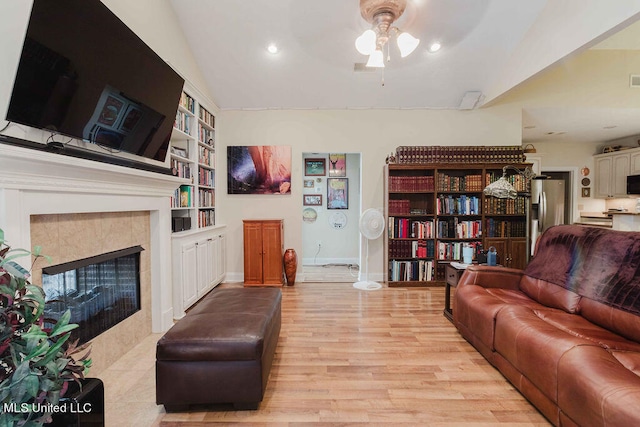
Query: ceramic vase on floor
{"x": 290, "y": 260}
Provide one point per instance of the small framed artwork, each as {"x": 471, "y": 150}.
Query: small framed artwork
{"x": 312, "y": 199}
{"x": 586, "y": 192}
{"x": 337, "y": 193}
{"x": 337, "y": 164}
{"x": 315, "y": 167}
{"x": 308, "y": 183}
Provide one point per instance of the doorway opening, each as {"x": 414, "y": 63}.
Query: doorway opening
{"x": 331, "y": 204}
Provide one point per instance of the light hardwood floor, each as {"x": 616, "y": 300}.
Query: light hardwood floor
{"x": 347, "y": 356}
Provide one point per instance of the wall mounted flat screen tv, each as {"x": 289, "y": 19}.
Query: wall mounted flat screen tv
{"x": 85, "y": 74}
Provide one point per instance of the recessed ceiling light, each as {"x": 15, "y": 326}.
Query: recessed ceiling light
{"x": 557, "y": 132}
{"x": 434, "y": 47}
{"x": 610, "y": 127}
{"x": 530, "y": 127}
{"x": 272, "y": 48}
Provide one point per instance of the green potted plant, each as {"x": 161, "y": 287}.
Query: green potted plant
{"x": 37, "y": 358}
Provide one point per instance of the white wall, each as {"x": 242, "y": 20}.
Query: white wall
{"x": 339, "y": 246}
{"x": 374, "y": 133}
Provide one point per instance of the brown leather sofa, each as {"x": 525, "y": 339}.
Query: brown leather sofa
{"x": 221, "y": 351}
{"x": 566, "y": 330}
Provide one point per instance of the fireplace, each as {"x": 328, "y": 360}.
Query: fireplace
{"x": 99, "y": 291}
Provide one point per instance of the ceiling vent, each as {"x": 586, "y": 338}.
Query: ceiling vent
{"x": 634, "y": 80}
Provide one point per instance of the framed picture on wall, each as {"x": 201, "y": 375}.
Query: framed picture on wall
{"x": 308, "y": 183}
{"x": 312, "y": 199}
{"x": 337, "y": 164}
{"x": 259, "y": 169}
{"x": 337, "y": 193}
{"x": 315, "y": 167}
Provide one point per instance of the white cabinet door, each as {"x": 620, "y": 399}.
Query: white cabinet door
{"x": 634, "y": 166}
{"x": 189, "y": 276}
{"x": 603, "y": 168}
{"x": 203, "y": 267}
{"x": 619, "y": 175}
{"x": 222, "y": 257}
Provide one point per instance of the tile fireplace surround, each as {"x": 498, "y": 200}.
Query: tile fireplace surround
{"x": 43, "y": 193}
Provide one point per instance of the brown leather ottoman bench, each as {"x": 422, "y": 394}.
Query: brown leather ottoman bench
{"x": 221, "y": 351}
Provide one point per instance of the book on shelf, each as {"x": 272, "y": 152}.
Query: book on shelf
{"x": 206, "y": 198}
{"x": 421, "y": 270}
{"x": 206, "y": 218}
{"x": 460, "y": 205}
{"x": 208, "y": 118}
{"x": 180, "y": 169}
{"x": 459, "y": 154}
{"x": 452, "y": 251}
{"x": 206, "y": 135}
{"x": 187, "y": 102}
{"x": 411, "y": 183}
{"x": 182, "y": 122}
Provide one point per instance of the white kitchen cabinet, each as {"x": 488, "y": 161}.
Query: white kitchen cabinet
{"x": 198, "y": 266}
{"x": 611, "y": 170}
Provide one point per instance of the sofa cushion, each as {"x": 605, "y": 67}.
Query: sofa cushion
{"x": 532, "y": 345}
{"x": 549, "y": 294}
{"x": 618, "y": 321}
{"x": 593, "y": 262}
{"x": 595, "y": 389}
{"x": 479, "y": 306}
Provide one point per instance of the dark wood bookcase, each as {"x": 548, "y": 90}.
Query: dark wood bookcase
{"x": 433, "y": 210}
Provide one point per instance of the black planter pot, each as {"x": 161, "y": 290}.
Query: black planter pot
{"x": 81, "y": 407}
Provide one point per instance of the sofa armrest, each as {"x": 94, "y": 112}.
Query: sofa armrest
{"x": 491, "y": 277}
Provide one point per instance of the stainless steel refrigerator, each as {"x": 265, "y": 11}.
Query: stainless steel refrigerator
{"x": 549, "y": 205}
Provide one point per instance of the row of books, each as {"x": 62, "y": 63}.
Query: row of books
{"x": 399, "y": 207}
{"x": 495, "y": 206}
{"x": 182, "y": 197}
{"x": 461, "y": 205}
{"x": 460, "y": 183}
{"x": 205, "y": 135}
{"x": 183, "y": 122}
{"x": 180, "y": 169}
{"x": 454, "y": 229}
{"x": 404, "y": 228}
{"x": 463, "y": 154}
{"x": 452, "y": 251}
{"x": 411, "y": 183}
{"x": 206, "y": 218}
{"x": 400, "y": 271}
{"x": 411, "y": 249}
{"x": 206, "y": 177}
{"x": 208, "y": 118}
{"x": 206, "y": 198}
{"x": 206, "y": 156}
{"x": 499, "y": 228}
{"x": 187, "y": 102}
{"x": 518, "y": 181}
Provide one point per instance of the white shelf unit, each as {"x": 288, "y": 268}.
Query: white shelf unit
{"x": 193, "y": 157}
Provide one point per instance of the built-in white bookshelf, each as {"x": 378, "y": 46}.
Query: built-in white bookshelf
{"x": 193, "y": 157}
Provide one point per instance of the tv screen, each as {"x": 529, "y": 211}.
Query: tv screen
{"x": 85, "y": 74}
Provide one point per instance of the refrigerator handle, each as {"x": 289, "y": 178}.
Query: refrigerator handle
{"x": 542, "y": 209}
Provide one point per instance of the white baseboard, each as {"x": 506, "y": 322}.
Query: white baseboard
{"x": 325, "y": 261}
{"x": 234, "y": 278}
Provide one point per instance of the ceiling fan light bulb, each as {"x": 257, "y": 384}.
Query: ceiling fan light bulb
{"x": 366, "y": 43}
{"x": 407, "y": 44}
{"x": 376, "y": 59}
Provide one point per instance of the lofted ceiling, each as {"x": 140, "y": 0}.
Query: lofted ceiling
{"x": 488, "y": 46}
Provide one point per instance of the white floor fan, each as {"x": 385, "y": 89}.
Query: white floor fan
{"x": 371, "y": 227}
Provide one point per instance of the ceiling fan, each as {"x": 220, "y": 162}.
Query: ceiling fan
{"x": 381, "y": 14}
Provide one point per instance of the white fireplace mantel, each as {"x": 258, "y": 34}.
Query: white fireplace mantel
{"x": 35, "y": 182}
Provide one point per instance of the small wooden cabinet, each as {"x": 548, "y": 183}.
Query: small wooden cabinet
{"x": 263, "y": 249}
{"x": 512, "y": 251}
